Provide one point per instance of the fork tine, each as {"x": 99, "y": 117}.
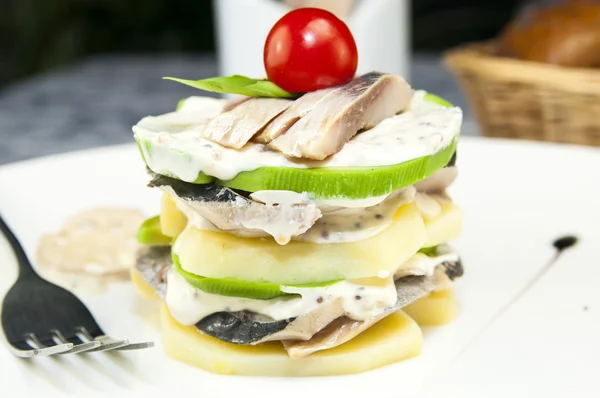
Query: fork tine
{"x": 84, "y": 347}
{"x": 43, "y": 352}
{"x": 24, "y": 350}
{"x": 106, "y": 339}
{"x": 78, "y": 345}
{"x": 35, "y": 342}
{"x": 107, "y": 344}
{"x": 32, "y": 347}
{"x": 136, "y": 346}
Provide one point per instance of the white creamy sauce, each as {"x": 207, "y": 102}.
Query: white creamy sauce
{"x": 361, "y": 299}
{"x": 172, "y": 143}
{"x": 420, "y": 264}
{"x": 352, "y": 203}
{"x": 210, "y": 107}
{"x": 355, "y": 224}
{"x": 189, "y": 304}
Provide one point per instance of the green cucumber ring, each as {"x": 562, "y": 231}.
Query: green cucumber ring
{"x": 338, "y": 182}
{"x": 342, "y": 182}
{"x": 149, "y": 233}
{"x": 437, "y": 100}
{"x": 232, "y": 287}
{"x": 429, "y": 251}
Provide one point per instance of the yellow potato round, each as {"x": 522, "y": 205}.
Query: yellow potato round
{"x": 393, "y": 339}
{"x": 143, "y": 288}
{"x": 172, "y": 220}
{"x": 445, "y": 227}
{"x": 439, "y": 308}
{"x": 221, "y": 255}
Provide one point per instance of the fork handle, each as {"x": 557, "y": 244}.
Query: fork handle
{"x": 25, "y": 267}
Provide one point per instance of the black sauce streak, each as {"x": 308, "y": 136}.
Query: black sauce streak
{"x": 560, "y": 244}
{"x": 565, "y": 242}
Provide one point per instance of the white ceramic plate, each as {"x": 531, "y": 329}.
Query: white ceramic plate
{"x": 517, "y": 198}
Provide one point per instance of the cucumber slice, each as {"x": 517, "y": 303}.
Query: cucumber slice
{"x": 342, "y": 182}
{"x": 436, "y": 100}
{"x": 428, "y": 251}
{"x": 337, "y": 182}
{"x": 150, "y": 233}
{"x": 202, "y": 178}
{"x": 240, "y": 288}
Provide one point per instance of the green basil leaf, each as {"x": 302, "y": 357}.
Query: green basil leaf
{"x": 237, "y": 84}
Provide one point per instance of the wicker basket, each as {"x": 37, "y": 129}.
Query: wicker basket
{"x": 527, "y": 100}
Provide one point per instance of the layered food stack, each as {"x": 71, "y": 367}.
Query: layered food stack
{"x": 304, "y": 235}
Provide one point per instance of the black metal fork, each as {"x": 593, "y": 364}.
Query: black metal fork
{"x": 40, "y": 318}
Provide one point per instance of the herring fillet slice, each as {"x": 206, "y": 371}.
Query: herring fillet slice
{"x": 291, "y": 115}
{"x": 343, "y": 329}
{"x": 234, "y": 128}
{"x": 229, "y": 211}
{"x": 358, "y": 105}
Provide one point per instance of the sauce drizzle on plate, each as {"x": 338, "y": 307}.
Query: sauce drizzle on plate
{"x": 93, "y": 248}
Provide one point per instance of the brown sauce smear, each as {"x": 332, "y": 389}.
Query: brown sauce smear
{"x": 92, "y": 249}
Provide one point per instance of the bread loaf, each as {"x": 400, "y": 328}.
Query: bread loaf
{"x": 565, "y": 34}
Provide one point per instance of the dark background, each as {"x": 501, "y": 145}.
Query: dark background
{"x": 36, "y": 35}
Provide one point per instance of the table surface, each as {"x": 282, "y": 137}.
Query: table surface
{"x": 95, "y": 102}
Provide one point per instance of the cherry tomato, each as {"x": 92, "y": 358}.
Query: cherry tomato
{"x": 309, "y": 49}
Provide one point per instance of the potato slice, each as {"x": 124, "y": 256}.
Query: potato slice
{"x": 143, "y": 288}
{"x": 444, "y": 227}
{"x": 221, "y": 255}
{"x": 439, "y": 308}
{"x": 393, "y": 339}
{"x": 172, "y": 220}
